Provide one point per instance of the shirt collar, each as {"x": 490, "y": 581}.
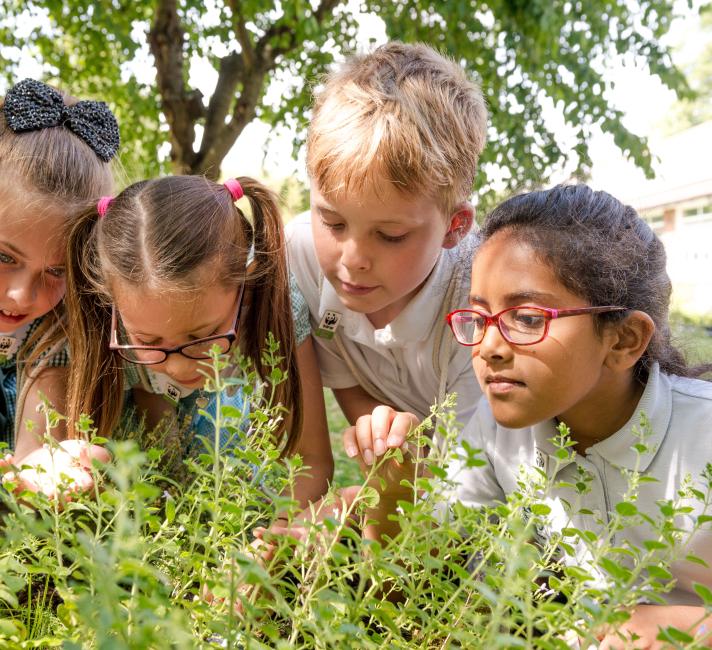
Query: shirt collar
{"x": 619, "y": 448}
{"x": 656, "y": 405}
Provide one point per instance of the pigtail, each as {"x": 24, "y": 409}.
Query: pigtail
{"x": 95, "y": 384}
{"x": 270, "y": 303}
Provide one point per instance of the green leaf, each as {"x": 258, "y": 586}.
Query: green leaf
{"x": 626, "y": 509}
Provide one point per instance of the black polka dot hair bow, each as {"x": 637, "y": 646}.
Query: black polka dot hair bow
{"x": 31, "y": 105}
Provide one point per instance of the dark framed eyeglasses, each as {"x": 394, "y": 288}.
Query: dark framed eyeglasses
{"x": 523, "y": 325}
{"x": 147, "y": 355}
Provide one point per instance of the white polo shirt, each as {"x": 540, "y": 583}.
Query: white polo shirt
{"x": 398, "y": 358}
{"x": 680, "y": 415}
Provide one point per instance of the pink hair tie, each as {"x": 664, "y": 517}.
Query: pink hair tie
{"x": 235, "y": 189}
{"x": 103, "y": 205}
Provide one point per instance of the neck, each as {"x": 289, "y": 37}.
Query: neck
{"x": 605, "y": 411}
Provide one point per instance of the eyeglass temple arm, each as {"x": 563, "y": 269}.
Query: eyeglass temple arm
{"x": 559, "y": 313}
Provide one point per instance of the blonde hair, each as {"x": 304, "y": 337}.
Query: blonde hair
{"x": 164, "y": 234}
{"x": 55, "y": 166}
{"x": 404, "y": 114}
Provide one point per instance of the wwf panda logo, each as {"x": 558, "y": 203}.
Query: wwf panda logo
{"x": 330, "y": 321}
{"x": 172, "y": 392}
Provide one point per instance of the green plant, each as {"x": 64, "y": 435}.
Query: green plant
{"x": 131, "y": 564}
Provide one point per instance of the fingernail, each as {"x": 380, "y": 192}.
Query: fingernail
{"x": 392, "y": 441}
{"x": 379, "y": 447}
{"x": 351, "y": 451}
{"x": 368, "y": 456}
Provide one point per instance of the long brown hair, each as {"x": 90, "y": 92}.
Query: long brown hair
{"x": 161, "y": 234}
{"x": 53, "y": 167}
{"x": 601, "y": 250}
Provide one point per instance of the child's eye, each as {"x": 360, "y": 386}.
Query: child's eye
{"x": 392, "y": 238}
{"x": 56, "y": 272}
{"x": 332, "y": 226}
{"x": 529, "y": 320}
{"x": 6, "y": 259}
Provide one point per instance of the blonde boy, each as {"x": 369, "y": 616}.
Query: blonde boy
{"x": 384, "y": 255}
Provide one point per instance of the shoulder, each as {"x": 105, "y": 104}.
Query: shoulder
{"x": 300, "y": 311}
{"x": 301, "y": 255}
{"x": 299, "y": 233}
{"x": 691, "y": 399}
{"x": 689, "y": 387}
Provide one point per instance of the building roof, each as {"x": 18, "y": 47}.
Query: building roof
{"x": 683, "y": 170}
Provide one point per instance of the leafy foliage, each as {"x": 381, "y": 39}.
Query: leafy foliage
{"x": 523, "y": 54}
{"x": 154, "y": 558}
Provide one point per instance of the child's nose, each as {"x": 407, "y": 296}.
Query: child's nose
{"x": 354, "y": 255}
{"x": 494, "y": 346}
{"x": 179, "y": 367}
{"x": 22, "y": 292}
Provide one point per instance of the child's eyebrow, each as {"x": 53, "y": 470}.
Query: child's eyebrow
{"x": 518, "y": 298}
{"x": 528, "y": 296}
{"x": 13, "y": 248}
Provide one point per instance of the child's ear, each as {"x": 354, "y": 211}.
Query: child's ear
{"x": 460, "y": 224}
{"x": 630, "y": 340}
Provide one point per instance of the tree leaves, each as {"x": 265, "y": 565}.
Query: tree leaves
{"x": 524, "y": 54}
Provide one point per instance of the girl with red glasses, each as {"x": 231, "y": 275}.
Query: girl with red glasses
{"x": 568, "y": 323}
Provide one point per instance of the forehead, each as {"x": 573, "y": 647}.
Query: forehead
{"x": 32, "y": 224}
{"x": 506, "y": 265}
{"x": 172, "y": 313}
{"x": 378, "y": 202}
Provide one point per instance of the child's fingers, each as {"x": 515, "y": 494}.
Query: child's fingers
{"x": 401, "y": 426}
{"x": 350, "y": 444}
{"x": 381, "y": 422}
{"x": 364, "y": 438}
{"x": 88, "y": 453}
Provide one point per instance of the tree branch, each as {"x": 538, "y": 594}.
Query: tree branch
{"x": 258, "y": 61}
{"x": 181, "y": 107}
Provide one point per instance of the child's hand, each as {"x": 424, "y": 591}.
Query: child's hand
{"x": 374, "y": 434}
{"x": 56, "y": 472}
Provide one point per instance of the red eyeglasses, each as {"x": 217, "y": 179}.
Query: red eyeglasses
{"x": 523, "y": 325}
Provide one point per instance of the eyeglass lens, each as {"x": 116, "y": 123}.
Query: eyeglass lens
{"x": 525, "y": 325}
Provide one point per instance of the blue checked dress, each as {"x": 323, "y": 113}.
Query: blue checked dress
{"x": 9, "y": 380}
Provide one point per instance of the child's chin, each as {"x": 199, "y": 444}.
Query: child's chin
{"x": 512, "y": 420}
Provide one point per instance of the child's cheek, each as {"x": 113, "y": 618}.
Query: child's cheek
{"x": 53, "y": 295}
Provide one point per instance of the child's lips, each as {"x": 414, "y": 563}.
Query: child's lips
{"x": 501, "y": 385}
{"x": 356, "y": 289}
{"x": 11, "y": 317}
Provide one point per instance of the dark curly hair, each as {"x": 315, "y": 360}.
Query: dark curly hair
{"x": 601, "y": 250}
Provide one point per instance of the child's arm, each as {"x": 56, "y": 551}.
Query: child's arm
{"x": 646, "y": 621}
{"x": 313, "y": 445}
{"x": 355, "y": 402}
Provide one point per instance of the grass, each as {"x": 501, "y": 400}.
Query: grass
{"x": 346, "y": 471}
{"x": 693, "y": 338}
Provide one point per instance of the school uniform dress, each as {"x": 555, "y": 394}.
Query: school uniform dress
{"x": 679, "y": 411}
{"x": 190, "y": 402}
{"x": 410, "y": 363}
{"x": 12, "y": 374}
